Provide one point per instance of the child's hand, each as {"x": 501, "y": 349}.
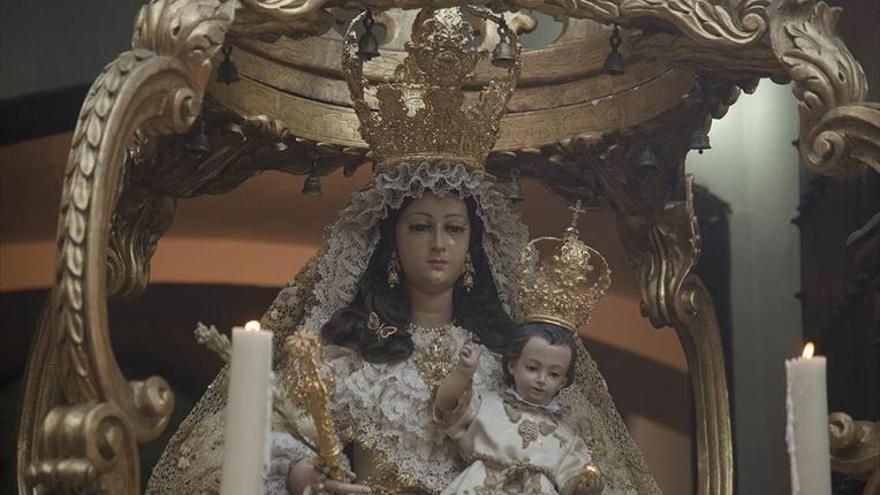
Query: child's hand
{"x": 469, "y": 357}
{"x": 590, "y": 481}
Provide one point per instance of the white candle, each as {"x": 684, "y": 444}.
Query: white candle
{"x": 807, "y": 428}
{"x": 247, "y": 411}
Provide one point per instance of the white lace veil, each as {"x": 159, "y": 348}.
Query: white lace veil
{"x": 353, "y": 237}
{"x": 191, "y": 461}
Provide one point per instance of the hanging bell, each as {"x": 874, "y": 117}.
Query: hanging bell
{"x": 227, "y": 72}
{"x": 502, "y": 55}
{"x": 515, "y": 193}
{"x": 312, "y": 185}
{"x": 648, "y": 161}
{"x": 197, "y": 141}
{"x": 368, "y": 45}
{"x": 700, "y": 141}
{"x": 614, "y": 61}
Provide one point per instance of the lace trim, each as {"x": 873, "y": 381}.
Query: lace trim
{"x": 493, "y": 462}
{"x": 512, "y": 397}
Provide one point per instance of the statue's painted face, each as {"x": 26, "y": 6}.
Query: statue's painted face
{"x": 433, "y": 235}
{"x": 540, "y": 370}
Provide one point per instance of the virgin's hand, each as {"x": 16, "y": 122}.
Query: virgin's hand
{"x": 336, "y": 488}
{"x": 304, "y": 479}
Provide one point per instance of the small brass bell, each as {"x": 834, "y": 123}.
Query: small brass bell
{"x": 502, "y": 55}
{"x": 614, "y": 61}
{"x": 312, "y": 185}
{"x": 227, "y": 72}
{"x": 700, "y": 141}
{"x": 515, "y": 193}
{"x": 648, "y": 161}
{"x": 368, "y": 45}
{"x": 197, "y": 141}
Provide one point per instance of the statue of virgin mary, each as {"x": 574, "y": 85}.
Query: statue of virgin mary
{"x": 420, "y": 261}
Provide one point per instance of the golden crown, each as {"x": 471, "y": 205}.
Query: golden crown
{"x": 424, "y": 114}
{"x": 564, "y": 286}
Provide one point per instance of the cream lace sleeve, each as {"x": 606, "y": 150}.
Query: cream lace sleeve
{"x": 455, "y": 423}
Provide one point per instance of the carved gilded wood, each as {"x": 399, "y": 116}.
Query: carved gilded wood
{"x": 855, "y": 449}
{"x": 574, "y": 128}
{"x": 839, "y": 132}
{"x": 82, "y": 419}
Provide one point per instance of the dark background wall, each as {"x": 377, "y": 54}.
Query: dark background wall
{"x": 56, "y": 44}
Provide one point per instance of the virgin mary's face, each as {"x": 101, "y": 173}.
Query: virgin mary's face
{"x": 433, "y": 235}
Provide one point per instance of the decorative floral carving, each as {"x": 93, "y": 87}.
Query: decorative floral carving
{"x": 191, "y": 31}
{"x": 706, "y": 21}
{"x": 661, "y": 236}
{"x": 283, "y": 9}
{"x": 733, "y": 24}
{"x": 268, "y": 21}
{"x": 839, "y": 134}
{"x": 855, "y": 449}
{"x": 141, "y": 218}
{"x": 157, "y": 88}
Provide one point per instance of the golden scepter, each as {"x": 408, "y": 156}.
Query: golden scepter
{"x": 313, "y": 392}
{"x": 219, "y": 343}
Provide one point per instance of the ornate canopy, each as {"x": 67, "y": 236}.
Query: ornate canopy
{"x": 156, "y": 126}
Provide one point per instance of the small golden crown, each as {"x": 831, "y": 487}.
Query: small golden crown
{"x": 424, "y": 114}
{"x": 564, "y": 286}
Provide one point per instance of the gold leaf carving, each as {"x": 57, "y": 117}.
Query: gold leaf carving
{"x": 284, "y": 9}
{"x": 704, "y": 21}
{"x": 81, "y": 420}
{"x": 839, "y": 134}
{"x": 855, "y": 449}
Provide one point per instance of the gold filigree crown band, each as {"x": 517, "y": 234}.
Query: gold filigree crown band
{"x": 564, "y": 286}
{"x": 423, "y": 114}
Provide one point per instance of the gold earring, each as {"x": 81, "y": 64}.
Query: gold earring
{"x": 469, "y": 273}
{"x": 393, "y": 272}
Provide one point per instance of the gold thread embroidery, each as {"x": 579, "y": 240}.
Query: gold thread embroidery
{"x": 433, "y": 360}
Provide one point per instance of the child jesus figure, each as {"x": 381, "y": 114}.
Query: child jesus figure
{"x": 518, "y": 441}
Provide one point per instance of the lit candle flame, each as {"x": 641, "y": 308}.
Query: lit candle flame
{"x": 809, "y": 349}
{"x": 252, "y": 326}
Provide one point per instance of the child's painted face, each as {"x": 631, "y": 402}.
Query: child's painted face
{"x": 541, "y": 370}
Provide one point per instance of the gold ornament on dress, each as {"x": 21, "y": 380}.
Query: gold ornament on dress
{"x": 434, "y": 360}
{"x": 564, "y": 286}
{"x": 423, "y": 113}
